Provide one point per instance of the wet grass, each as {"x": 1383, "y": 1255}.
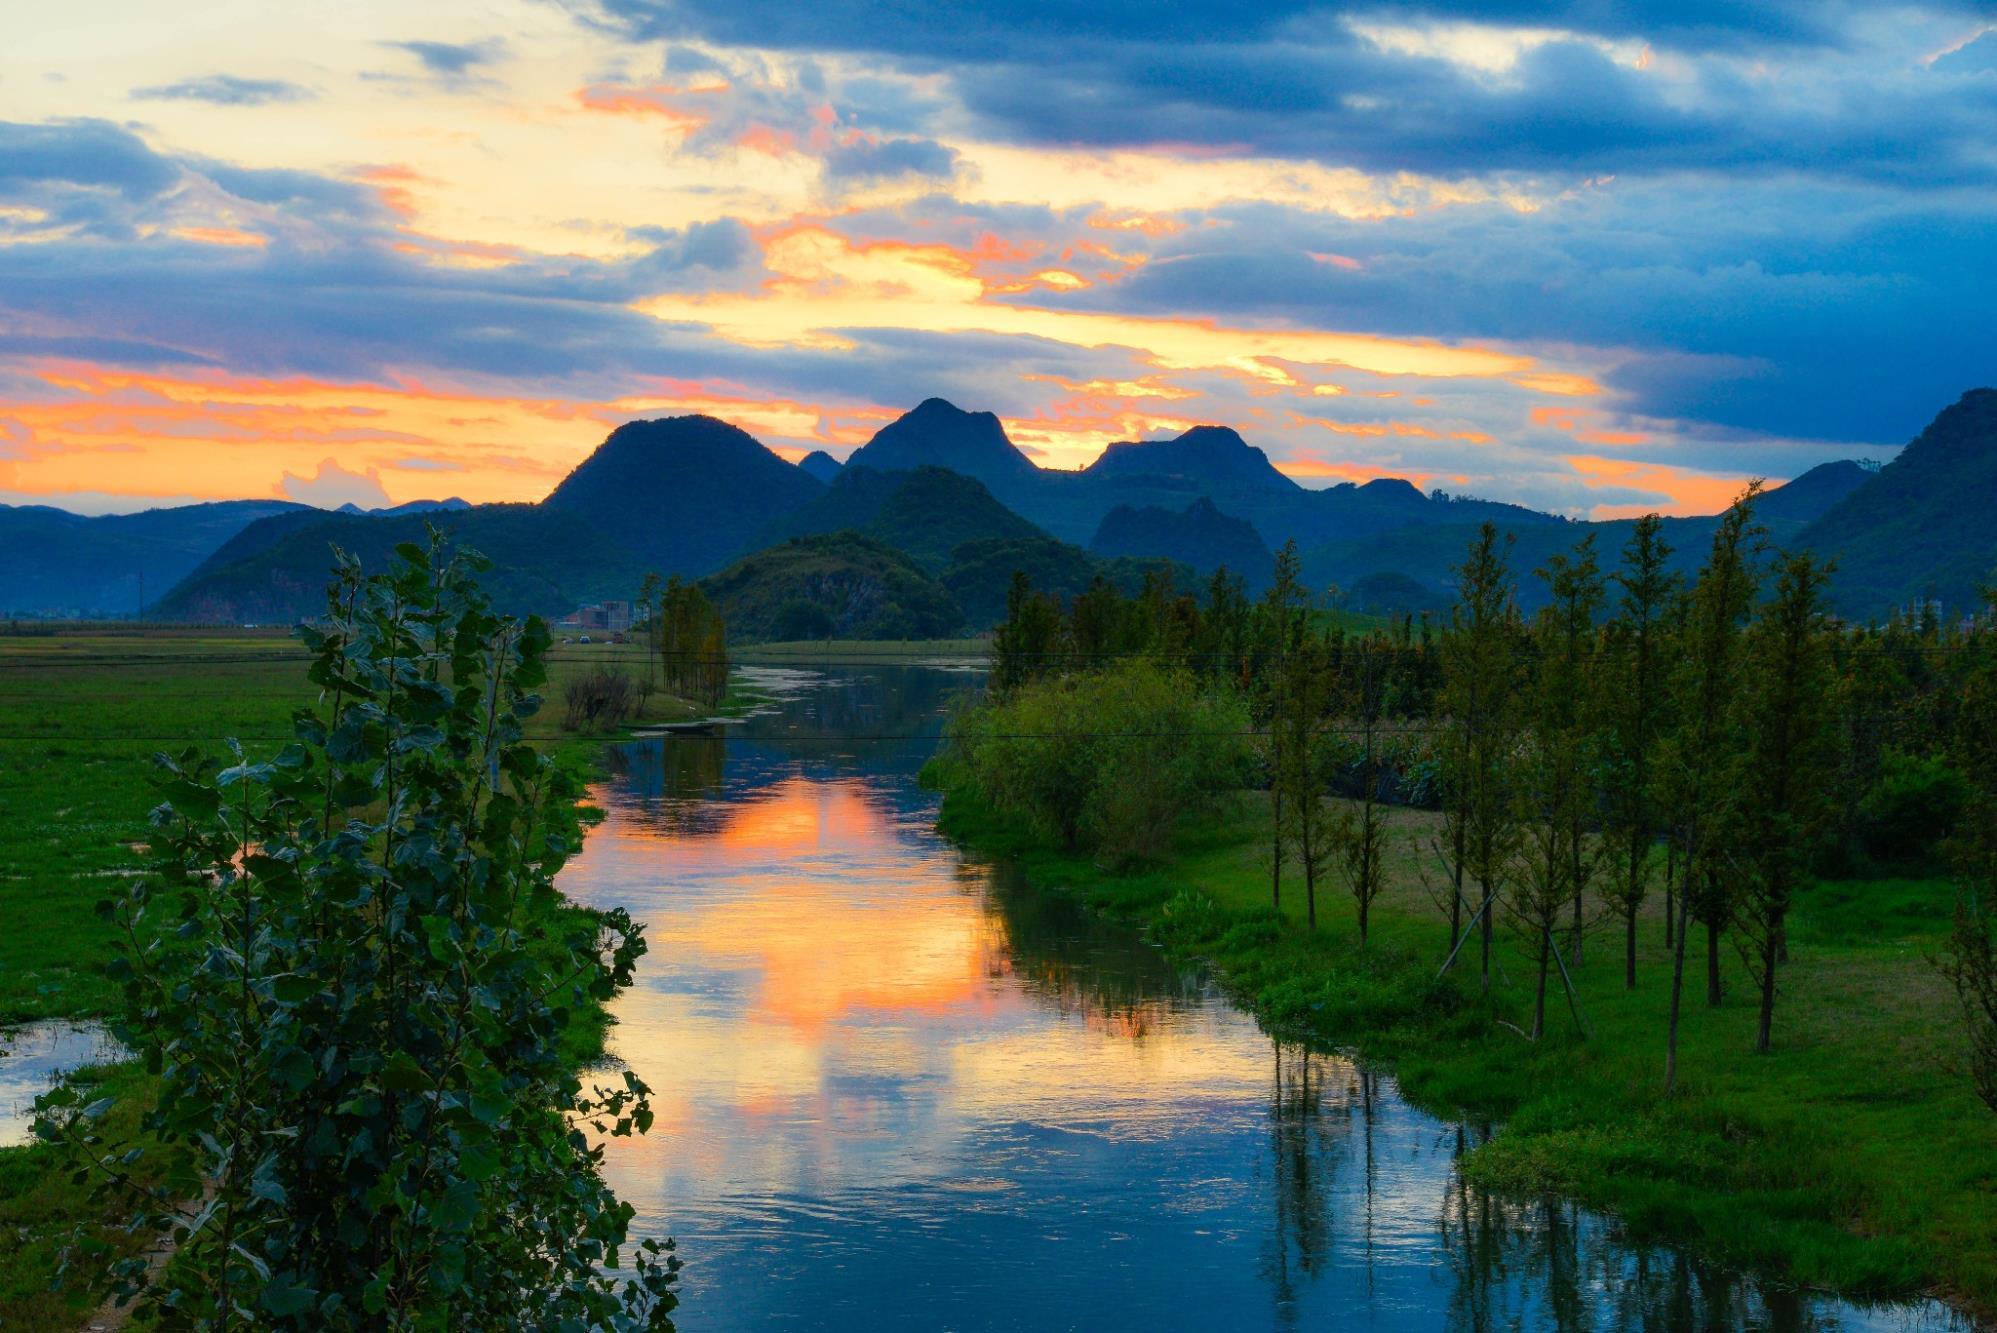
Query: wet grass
{"x": 1854, "y": 1157}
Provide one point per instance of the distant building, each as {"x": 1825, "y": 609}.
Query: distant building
{"x": 610, "y": 617}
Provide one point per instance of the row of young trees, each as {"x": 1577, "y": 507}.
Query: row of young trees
{"x": 1716, "y": 741}
{"x": 685, "y": 635}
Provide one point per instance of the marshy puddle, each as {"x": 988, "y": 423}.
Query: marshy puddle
{"x": 32, "y": 1058}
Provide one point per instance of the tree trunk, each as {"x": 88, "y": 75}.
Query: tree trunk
{"x": 1539, "y": 994}
{"x": 1363, "y": 905}
{"x": 1677, "y": 994}
{"x": 1580, "y": 887}
{"x": 1456, "y": 896}
{"x": 1484, "y": 932}
{"x": 1629, "y": 950}
{"x": 1276, "y": 848}
{"x": 1713, "y": 962}
{"x": 1770, "y": 948}
{"x": 1576, "y": 959}
{"x": 1670, "y": 889}
{"x": 1309, "y": 855}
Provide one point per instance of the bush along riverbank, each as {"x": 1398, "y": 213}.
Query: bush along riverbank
{"x": 351, "y": 950}
{"x": 1715, "y": 870}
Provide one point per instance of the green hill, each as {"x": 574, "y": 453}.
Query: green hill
{"x": 839, "y": 585}
{"x": 927, "y": 513}
{"x": 1200, "y": 536}
{"x": 1926, "y": 525}
{"x": 545, "y": 561}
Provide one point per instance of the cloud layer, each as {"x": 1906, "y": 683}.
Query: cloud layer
{"x": 1579, "y": 255}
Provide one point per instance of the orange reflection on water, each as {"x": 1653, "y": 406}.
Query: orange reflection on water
{"x": 790, "y": 858}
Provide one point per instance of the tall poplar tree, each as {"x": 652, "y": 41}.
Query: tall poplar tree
{"x": 1699, "y": 755}
{"x": 1635, "y": 706}
{"x": 1480, "y": 666}
{"x": 1788, "y": 762}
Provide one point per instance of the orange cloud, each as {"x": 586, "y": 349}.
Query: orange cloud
{"x": 223, "y": 236}
{"x": 1335, "y": 260}
{"x": 1324, "y": 469}
{"x": 660, "y": 101}
{"x": 1685, "y": 492}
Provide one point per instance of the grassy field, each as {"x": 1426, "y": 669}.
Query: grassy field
{"x": 81, "y": 714}
{"x": 1853, "y": 1157}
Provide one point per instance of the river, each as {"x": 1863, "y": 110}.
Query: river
{"x": 895, "y": 1088}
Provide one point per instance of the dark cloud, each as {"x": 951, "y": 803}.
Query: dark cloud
{"x": 1303, "y": 80}
{"x": 1788, "y": 309}
{"x": 452, "y": 60}
{"x": 226, "y": 90}
{"x": 1005, "y": 31}
{"x": 90, "y": 153}
{"x": 879, "y": 159}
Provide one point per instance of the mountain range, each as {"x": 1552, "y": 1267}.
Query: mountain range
{"x": 949, "y": 492}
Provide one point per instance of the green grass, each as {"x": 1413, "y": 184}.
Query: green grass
{"x": 81, "y": 714}
{"x": 1853, "y": 1157}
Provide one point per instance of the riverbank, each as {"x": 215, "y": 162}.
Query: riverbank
{"x": 1852, "y": 1158}
{"x": 81, "y": 714}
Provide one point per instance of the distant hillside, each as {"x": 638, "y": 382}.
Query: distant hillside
{"x": 546, "y": 561}
{"x": 980, "y": 573}
{"x": 682, "y": 495}
{"x": 1392, "y": 593}
{"x": 1205, "y": 455}
{"x": 1426, "y": 554}
{"x": 1200, "y": 536}
{"x": 1812, "y": 495}
{"x": 821, "y": 465}
{"x": 56, "y": 563}
{"x": 1926, "y": 525}
{"x": 841, "y": 586}
{"x": 941, "y": 434}
{"x": 926, "y": 513}
{"x": 410, "y": 507}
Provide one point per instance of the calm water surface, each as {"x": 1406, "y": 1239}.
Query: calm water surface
{"x": 897, "y": 1089}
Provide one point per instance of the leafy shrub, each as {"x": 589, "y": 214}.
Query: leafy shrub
{"x": 1911, "y": 807}
{"x": 351, "y": 981}
{"x": 1108, "y": 761}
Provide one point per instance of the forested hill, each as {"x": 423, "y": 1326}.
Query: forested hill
{"x": 1200, "y": 536}
{"x": 1926, "y": 526}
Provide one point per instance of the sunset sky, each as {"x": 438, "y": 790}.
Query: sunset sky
{"x": 1594, "y": 257}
